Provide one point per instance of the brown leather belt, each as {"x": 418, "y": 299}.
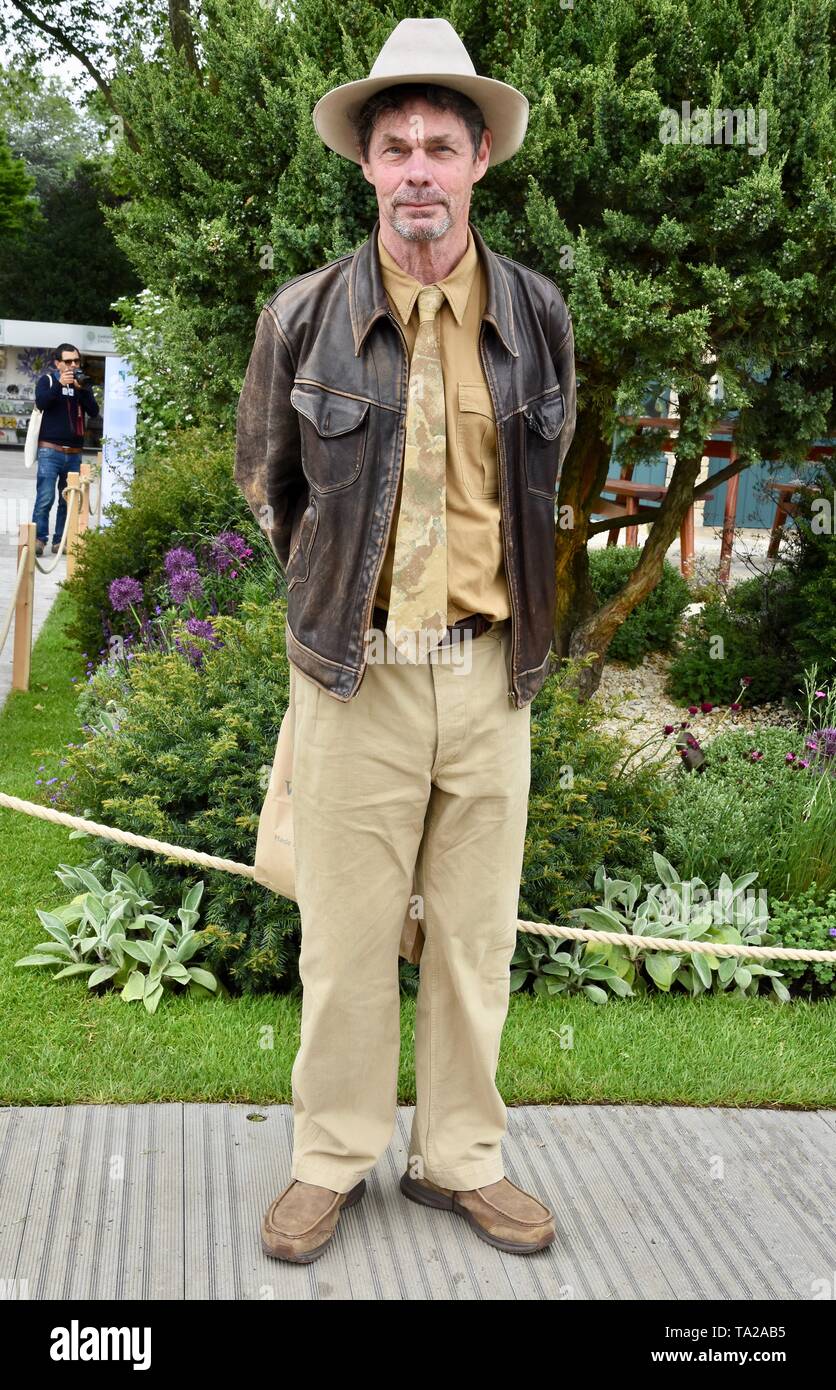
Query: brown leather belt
{"x": 64, "y": 448}
{"x": 476, "y": 623}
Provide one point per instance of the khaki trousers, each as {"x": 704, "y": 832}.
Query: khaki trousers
{"x": 424, "y": 772}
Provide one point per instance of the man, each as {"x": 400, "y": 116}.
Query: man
{"x": 64, "y": 402}
{"x": 402, "y": 421}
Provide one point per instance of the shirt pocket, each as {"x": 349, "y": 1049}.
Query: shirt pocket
{"x": 476, "y": 440}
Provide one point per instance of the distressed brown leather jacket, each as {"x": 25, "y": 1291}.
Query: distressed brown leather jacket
{"x": 320, "y": 439}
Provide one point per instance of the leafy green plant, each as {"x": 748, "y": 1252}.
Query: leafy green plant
{"x": 558, "y": 968}
{"x": 586, "y": 804}
{"x": 807, "y": 922}
{"x": 89, "y": 935}
{"x": 747, "y": 632}
{"x": 179, "y": 492}
{"x": 653, "y": 623}
{"x": 182, "y": 753}
{"x": 683, "y": 909}
{"x": 754, "y": 807}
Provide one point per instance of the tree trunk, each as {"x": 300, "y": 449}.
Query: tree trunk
{"x": 581, "y": 628}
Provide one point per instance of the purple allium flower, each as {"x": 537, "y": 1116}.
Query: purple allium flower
{"x": 684, "y": 724}
{"x": 789, "y": 757}
{"x": 735, "y": 706}
{"x": 179, "y": 559}
{"x": 200, "y": 627}
{"x": 227, "y": 549}
{"x": 755, "y": 755}
{"x": 706, "y": 707}
{"x": 123, "y": 592}
{"x": 803, "y": 762}
{"x": 693, "y": 709}
{"x": 832, "y": 931}
{"x": 669, "y": 728}
{"x": 746, "y": 680}
{"x": 184, "y": 583}
{"x": 691, "y": 741}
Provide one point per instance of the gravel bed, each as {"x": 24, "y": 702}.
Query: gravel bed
{"x": 634, "y": 703}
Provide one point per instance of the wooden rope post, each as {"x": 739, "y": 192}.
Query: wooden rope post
{"x": 24, "y": 609}
{"x": 72, "y": 528}
{"x": 84, "y": 510}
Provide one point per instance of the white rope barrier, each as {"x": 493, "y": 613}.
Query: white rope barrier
{"x": 21, "y": 570}
{"x": 231, "y": 866}
{"x": 74, "y": 501}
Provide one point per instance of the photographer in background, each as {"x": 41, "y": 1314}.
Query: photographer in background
{"x": 64, "y": 396}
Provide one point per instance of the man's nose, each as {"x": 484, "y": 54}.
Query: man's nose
{"x": 418, "y": 166}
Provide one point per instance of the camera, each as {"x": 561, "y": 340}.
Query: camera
{"x": 79, "y": 376}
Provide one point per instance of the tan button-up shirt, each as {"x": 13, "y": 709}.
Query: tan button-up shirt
{"x": 476, "y": 581}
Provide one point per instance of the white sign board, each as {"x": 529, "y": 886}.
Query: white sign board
{"x": 119, "y": 430}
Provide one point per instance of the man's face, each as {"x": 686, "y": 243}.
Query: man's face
{"x": 422, "y": 168}
{"x": 68, "y": 360}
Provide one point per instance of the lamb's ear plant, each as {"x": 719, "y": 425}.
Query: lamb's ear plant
{"x": 688, "y": 910}
{"x": 89, "y": 935}
{"x": 673, "y": 907}
{"x": 559, "y": 967}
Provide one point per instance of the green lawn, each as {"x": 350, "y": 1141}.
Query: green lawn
{"x": 62, "y": 1044}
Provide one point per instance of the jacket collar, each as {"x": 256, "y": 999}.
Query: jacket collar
{"x": 367, "y": 298}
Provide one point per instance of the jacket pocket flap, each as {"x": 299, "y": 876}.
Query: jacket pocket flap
{"x": 329, "y": 412}
{"x": 546, "y": 414}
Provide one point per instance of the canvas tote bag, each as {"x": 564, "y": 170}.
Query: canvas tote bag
{"x": 275, "y": 865}
{"x": 33, "y": 429}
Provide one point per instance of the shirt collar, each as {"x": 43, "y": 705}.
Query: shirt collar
{"x": 404, "y": 288}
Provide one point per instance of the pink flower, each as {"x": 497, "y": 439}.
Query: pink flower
{"x": 706, "y": 707}
{"x": 693, "y": 709}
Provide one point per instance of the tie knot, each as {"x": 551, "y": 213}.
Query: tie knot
{"x": 430, "y": 299}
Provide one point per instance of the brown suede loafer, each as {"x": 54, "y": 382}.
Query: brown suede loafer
{"x": 500, "y": 1213}
{"x": 301, "y": 1221}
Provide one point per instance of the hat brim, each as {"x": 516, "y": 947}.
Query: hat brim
{"x": 504, "y": 108}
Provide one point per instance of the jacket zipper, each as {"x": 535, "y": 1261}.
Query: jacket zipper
{"x": 503, "y": 503}
{"x": 373, "y": 591}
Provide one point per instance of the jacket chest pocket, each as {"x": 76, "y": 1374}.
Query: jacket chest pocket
{"x": 476, "y": 440}
{"x": 333, "y": 431}
{"x": 299, "y": 559}
{"x": 544, "y": 416}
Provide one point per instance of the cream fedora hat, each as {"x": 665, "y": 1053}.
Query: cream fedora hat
{"x": 425, "y": 50}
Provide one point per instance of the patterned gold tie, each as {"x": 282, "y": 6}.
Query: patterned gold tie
{"x": 417, "y": 618}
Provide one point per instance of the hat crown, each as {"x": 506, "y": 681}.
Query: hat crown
{"x": 422, "y": 46}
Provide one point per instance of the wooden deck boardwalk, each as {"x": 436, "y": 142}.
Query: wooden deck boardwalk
{"x": 652, "y": 1202}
